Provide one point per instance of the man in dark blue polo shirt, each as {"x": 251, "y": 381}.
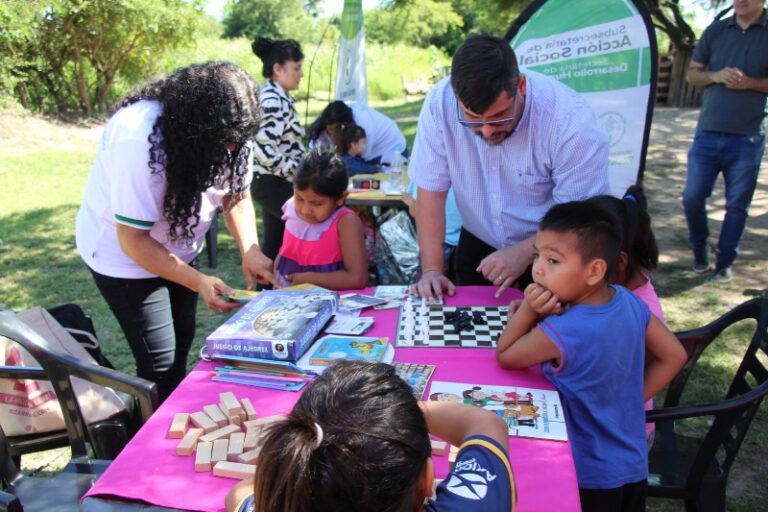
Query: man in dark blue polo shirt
{"x": 731, "y": 62}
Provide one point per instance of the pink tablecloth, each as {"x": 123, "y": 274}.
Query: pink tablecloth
{"x": 148, "y": 469}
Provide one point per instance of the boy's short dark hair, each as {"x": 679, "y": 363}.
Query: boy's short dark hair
{"x": 482, "y": 68}
{"x": 596, "y": 229}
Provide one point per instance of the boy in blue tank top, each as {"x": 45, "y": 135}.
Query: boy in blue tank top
{"x": 590, "y": 339}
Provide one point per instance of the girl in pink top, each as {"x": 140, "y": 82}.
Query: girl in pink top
{"x": 323, "y": 240}
{"x": 639, "y": 255}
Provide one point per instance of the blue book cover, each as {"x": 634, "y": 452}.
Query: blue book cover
{"x": 277, "y": 324}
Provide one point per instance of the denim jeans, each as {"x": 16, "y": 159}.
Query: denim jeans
{"x": 738, "y": 157}
{"x": 157, "y": 317}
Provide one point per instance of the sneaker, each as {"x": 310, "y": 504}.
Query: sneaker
{"x": 701, "y": 260}
{"x": 722, "y": 275}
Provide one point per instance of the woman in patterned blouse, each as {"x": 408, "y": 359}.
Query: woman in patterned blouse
{"x": 278, "y": 146}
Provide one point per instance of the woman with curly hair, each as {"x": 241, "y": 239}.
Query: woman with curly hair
{"x": 173, "y": 152}
{"x": 279, "y": 143}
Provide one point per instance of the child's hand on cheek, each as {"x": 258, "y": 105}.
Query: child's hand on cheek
{"x": 542, "y": 301}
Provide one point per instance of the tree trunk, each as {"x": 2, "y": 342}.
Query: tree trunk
{"x": 21, "y": 92}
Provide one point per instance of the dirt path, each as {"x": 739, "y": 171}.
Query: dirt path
{"x": 671, "y": 136}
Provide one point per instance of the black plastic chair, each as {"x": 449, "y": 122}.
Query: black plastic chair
{"x": 696, "y": 470}
{"x": 65, "y": 489}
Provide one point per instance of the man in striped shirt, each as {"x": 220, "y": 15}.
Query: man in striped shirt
{"x": 511, "y": 145}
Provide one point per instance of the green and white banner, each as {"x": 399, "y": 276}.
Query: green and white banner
{"x": 606, "y": 50}
{"x": 351, "y": 84}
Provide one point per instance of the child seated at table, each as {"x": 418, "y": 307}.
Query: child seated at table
{"x": 357, "y": 439}
{"x": 350, "y": 141}
{"x": 323, "y": 241}
{"x": 590, "y": 338}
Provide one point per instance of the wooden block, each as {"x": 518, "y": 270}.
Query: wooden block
{"x": 215, "y": 414}
{"x": 203, "y": 457}
{"x": 230, "y": 403}
{"x": 250, "y": 411}
{"x": 243, "y": 416}
{"x": 252, "y": 438}
{"x": 234, "y": 470}
{"x": 178, "y": 425}
{"x": 220, "y": 447}
{"x": 262, "y": 422}
{"x": 438, "y": 447}
{"x": 452, "y": 455}
{"x": 203, "y": 421}
{"x": 223, "y": 432}
{"x": 235, "y": 419}
{"x": 235, "y": 448}
{"x": 189, "y": 442}
{"x": 250, "y": 457}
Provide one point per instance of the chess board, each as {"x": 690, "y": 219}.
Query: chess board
{"x": 443, "y": 334}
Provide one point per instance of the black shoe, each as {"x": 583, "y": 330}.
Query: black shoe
{"x": 701, "y": 260}
{"x": 722, "y": 275}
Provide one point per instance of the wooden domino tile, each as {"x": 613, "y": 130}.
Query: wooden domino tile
{"x": 213, "y": 412}
{"x": 203, "y": 421}
{"x": 203, "y": 457}
{"x": 262, "y": 422}
{"x": 178, "y": 425}
{"x": 235, "y": 448}
{"x": 220, "y": 448}
{"x": 438, "y": 447}
{"x": 230, "y": 402}
{"x": 188, "y": 443}
{"x": 252, "y": 438}
{"x": 235, "y": 470}
{"x": 249, "y": 457}
{"x": 452, "y": 455}
{"x": 223, "y": 432}
{"x": 250, "y": 411}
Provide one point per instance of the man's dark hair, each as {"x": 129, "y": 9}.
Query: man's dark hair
{"x": 482, "y": 68}
{"x": 596, "y": 229}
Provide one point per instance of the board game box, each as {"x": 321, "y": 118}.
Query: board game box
{"x": 277, "y": 324}
{"x": 528, "y": 412}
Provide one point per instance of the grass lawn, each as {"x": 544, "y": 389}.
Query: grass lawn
{"x": 43, "y": 167}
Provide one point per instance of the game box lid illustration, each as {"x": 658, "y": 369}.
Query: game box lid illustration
{"x": 277, "y": 324}
{"x": 331, "y": 348}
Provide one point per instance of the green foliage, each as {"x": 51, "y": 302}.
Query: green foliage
{"x": 319, "y": 77}
{"x": 68, "y": 53}
{"x": 415, "y": 23}
{"x": 274, "y": 19}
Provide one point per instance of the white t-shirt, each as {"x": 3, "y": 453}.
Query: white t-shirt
{"x": 122, "y": 188}
{"x": 382, "y": 133}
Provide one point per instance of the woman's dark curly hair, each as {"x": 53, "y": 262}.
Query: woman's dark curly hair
{"x": 209, "y": 112}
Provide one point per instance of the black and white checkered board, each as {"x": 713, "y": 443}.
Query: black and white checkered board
{"x": 442, "y": 334}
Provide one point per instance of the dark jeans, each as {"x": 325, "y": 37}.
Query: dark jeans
{"x": 738, "y": 157}
{"x": 271, "y": 193}
{"x": 627, "y": 498}
{"x": 158, "y": 320}
{"x": 469, "y": 253}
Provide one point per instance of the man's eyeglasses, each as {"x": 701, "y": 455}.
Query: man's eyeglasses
{"x": 479, "y": 124}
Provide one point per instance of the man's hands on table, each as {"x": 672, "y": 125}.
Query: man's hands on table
{"x": 504, "y": 266}
{"x": 432, "y": 284}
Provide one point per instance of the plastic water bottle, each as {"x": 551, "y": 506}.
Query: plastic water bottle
{"x": 397, "y": 169}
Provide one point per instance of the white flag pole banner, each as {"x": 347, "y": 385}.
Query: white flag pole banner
{"x": 605, "y": 50}
{"x": 351, "y": 82}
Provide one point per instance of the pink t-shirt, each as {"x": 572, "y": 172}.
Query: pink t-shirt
{"x": 647, "y": 294}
